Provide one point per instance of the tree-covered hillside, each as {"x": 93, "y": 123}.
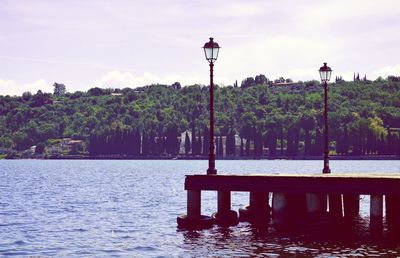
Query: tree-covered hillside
{"x": 270, "y": 118}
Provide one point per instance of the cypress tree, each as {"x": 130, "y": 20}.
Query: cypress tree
{"x": 187, "y": 144}
{"x": 199, "y": 145}
{"x": 194, "y": 142}
{"x": 221, "y": 146}
{"x": 206, "y": 141}
{"x": 247, "y": 147}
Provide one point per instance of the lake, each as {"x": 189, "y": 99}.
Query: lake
{"x": 128, "y": 208}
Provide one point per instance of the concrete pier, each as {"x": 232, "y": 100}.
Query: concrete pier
{"x": 225, "y": 216}
{"x": 316, "y": 203}
{"x": 261, "y": 208}
{"x": 297, "y": 198}
{"x": 351, "y": 203}
{"x": 193, "y": 204}
{"x": 193, "y": 218}
{"x": 258, "y": 211}
{"x": 392, "y": 208}
{"x": 335, "y": 205}
{"x": 376, "y": 213}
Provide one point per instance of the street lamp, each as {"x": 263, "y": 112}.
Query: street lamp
{"x": 325, "y": 74}
{"x": 211, "y": 50}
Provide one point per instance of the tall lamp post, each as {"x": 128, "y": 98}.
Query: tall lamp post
{"x": 211, "y": 50}
{"x": 325, "y": 73}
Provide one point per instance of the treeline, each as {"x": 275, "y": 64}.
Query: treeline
{"x": 260, "y": 118}
{"x": 132, "y": 143}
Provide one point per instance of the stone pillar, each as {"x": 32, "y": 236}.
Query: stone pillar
{"x": 351, "y": 203}
{"x": 224, "y": 202}
{"x": 315, "y": 203}
{"x": 261, "y": 208}
{"x": 252, "y": 199}
{"x": 392, "y": 205}
{"x": 288, "y": 209}
{"x": 335, "y": 205}
{"x": 193, "y": 219}
{"x": 280, "y": 209}
{"x": 225, "y": 216}
{"x": 247, "y": 213}
{"x": 193, "y": 204}
{"x": 376, "y": 214}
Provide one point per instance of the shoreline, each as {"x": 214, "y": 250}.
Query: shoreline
{"x": 83, "y": 157}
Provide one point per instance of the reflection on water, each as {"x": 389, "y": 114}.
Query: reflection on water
{"x": 347, "y": 239}
{"x": 103, "y": 208}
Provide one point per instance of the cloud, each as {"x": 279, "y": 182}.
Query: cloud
{"x": 119, "y": 79}
{"x": 12, "y": 87}
{"x": 287, "y": 56}
{"x": 8, "y": 87}
{"x": 386, "y": 71}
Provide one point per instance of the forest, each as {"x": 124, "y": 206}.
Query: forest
{"x": 259, "y": 118}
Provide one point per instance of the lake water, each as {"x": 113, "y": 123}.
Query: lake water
{"x": 128, "y": 208}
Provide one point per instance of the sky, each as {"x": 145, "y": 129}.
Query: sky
{"x": 132, "y": 43}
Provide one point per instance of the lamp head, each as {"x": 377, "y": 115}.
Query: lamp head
{"x": 211, "y": 50}
{"x": 325, "y": 73}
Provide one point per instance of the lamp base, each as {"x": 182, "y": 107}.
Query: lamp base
{"x": 326, "y": 171}
{"x": 211, "y": 171}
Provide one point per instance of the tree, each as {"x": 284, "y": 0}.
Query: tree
{"x": 359, "y": 115}
{"x": 176, "y": 86}
{"x": 187, "y": 144}
{"x": 261, "y": 79}
{"x": 248, "y": 82}
{"x": 206, "y": 141}
{"x": 59, "y": 89}
{"x": 26, "y": 96}
{"x": 39, "y": 148}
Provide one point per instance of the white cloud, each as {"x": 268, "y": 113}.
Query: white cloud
{"x": 386, "y": 71}
{"x": 12, "y": 87}
{"x": 287, "y": 56}
{"x": 118, "y": 79}
{"x": 8, "y": 87}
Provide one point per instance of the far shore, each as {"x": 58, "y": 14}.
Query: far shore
{"x": 119, "y": 157}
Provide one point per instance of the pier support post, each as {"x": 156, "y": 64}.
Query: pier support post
{"x": 193, "y": 204}
{"x": 193, "y": 219}
{"x": 279, "y": 209}
{"x": 259, "y": 211}
{"x": 392, "y": 205}
{"x": 315, "y": 203}
{"x": 252, "y": 199}
{"x": 247, "y": 213}
{"x": 351, "y": 203}
{"x": 376, "y": 214}
{"x": 335, "y": 205}
{"x": 288, "y": 209}
{"x": 224, "y": 202}
{"x": 261, "y": 208}
{"x": 225, "y": 216}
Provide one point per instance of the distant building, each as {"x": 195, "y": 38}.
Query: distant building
{"x": 67, "y": 144}
{"x": 28, "y": 153}
{"x": 54, "y": 151}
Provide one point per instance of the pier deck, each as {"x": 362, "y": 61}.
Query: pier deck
{"x": 304, "y": 183}
{"x": 295, "y": 196}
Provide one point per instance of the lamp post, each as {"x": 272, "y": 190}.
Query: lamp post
{"x": 325, "y": 74}
{"x": 211, "y": 50}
